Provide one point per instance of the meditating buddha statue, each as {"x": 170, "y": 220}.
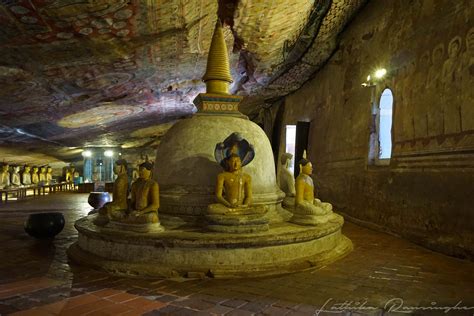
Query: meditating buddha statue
{"x": 117, "y": 209}
{"x": 71, "y": 174}
{"x": 286, "y": 180}
{"x": 26, "y": 176}
{"x": 42, "y": 175}
{"x": 233, "y": 211}
{"x": 144, "y": 198}
{"x": 15, "y": 179}
{"x": 49, "y": 175}
{"x": 34, "y": 176}
{"x": 308, "y": 210}
{"x": 5, "y": 176}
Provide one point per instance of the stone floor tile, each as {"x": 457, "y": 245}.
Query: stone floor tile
{"x": 234, "y": 303}
{"x": 37, "y": 276}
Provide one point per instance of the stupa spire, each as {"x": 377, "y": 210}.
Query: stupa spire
{"x": 217, "y": 76}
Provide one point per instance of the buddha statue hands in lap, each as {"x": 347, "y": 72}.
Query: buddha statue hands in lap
{"x": 286, "y": 180}
{"x": 117, "y": 209}
{"x": 15, "y": 180}
{"x": 49, "y": 175}
{"x": 234, "y": 187}
{"x": 145, "y": 201}
{"x": 308, "y": 209}
{"x": 26, "y": 176}
{"x": 5, "y": 176}
{"x": 35, "y": 176}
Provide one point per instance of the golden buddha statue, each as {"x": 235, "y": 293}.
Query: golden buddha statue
{"x": 144, "y": 198}
{"x": 233, "y": 187}
{"x": 233, "y": 211}
{"x": 71, "y": 174}
{"x": 308, "y": 209}
{"x": 117, "y": 209}
{"x": 42, "y": 175}
{"x": 34, "y": 176}
{"x": 286, "y": 180}
{"x": 5, "y": 176}
{"x": 15, "y": 177}
{"x": 49, "y": 175}
{"x": 26, "y": 176}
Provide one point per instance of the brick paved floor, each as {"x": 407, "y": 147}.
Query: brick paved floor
{"x": 383, "y": 274}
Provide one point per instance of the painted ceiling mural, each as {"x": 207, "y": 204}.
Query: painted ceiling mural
{"x": 100, "y": 72}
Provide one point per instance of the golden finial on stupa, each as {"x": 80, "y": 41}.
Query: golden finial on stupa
{"x": 217, "y": 76}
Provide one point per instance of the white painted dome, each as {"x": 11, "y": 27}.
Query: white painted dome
{"x": 186, "y": 170}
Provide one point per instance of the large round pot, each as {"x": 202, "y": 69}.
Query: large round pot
{"x": 44, "y": 225}
{"x": 98, "y": 199}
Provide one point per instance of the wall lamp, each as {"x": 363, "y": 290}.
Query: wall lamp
{"x": 377, "y": 75}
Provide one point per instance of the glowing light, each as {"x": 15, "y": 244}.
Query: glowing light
{"x": 108, "y": 153}
{"x": 368, "y": 78}
{"x": 87, "y": 153}
{"x": 380, "y": 73}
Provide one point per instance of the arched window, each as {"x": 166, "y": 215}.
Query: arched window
{"x": 385, "y": 124}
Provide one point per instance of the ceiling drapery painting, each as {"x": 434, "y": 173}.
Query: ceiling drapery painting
{"x": 75, "y": 73}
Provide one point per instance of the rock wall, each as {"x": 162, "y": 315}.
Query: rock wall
{"x": 426, "y": 192}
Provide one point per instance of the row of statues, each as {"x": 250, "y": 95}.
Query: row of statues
{"x": 233, "y": 210}
{"x": 26, "y": 177}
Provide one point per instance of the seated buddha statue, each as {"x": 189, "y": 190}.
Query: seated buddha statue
{"x": 15, "y": 178}
{"x": 34, "y": 176}
{"x": 49, "y": 175}
{"x": 117, "y": 209}
{"x": 71, "y": 173}
{"x": 308, "y": 210}
{"x": 5, "y": 176}
{"x": 286, "y": 181}
{"x": 42, "y": 175}
{"x": 233, "y": 188}
{"x": 26, "y": 176}
{"x": 144, "y": 198}
{"x": 234, "y": 211}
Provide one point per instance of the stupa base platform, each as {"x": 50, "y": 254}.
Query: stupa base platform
{"x": 195, "y": 252}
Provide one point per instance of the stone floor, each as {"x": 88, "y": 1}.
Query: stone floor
{"x": 384, "y": 275}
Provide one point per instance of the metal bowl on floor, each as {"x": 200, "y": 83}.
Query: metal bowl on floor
{"x": 98, "y": 199}
{"x": 44, "y": 225}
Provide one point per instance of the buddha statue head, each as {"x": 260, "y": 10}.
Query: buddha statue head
{"x": 5, "y": 167}
{"x": 120, "y": 167}
{"x": 16, "y": 169}
{"x": 26, "y": 169}
{"x": 43, "y": 169}
{"x": 35, "y": 169}
{"x": 306, "y": 167}
{"x": 285, "y": 159}
{"x": 233, "y": 163}
{"x": 144, "y": 171}
{"x": 49, "y": 169}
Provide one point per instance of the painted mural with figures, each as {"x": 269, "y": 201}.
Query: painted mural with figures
{"x": 75, "y": 72}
